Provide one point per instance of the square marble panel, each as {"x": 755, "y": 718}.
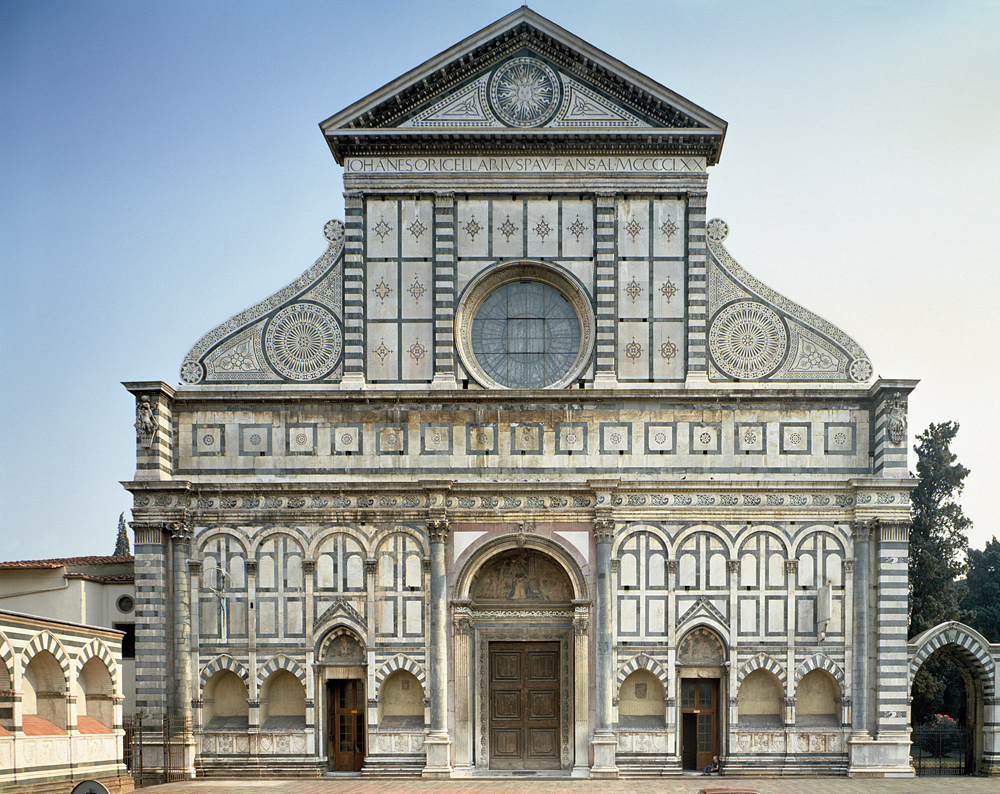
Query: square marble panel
{"x": 633, "y": 227}
{"x": 417, "y": 291}
{"x": 435, "y": 438}
{"x": 390, "y": 439}
{"x": 347, "y": 439}
{"x": 668, "y": 290}
{"x": 526, "y": 437}
{"x": 633, "y": 289}
{"x": 383, "y": 352}
{"x": 668, "y": 227}
{"x": 751, "y": 437}
{"x": 417, "y": 228}
{"x": 472, "y": 234}
{"x": 661, "y": 437}
{"x": 633, "y": 351}
{"x": 255, "y": 439}
{"x": 571, "y": 437}
{"x": 418, "y": 351}
{"x": 481, "y": 439}
{"x": 300, "y": 439}
{"x": 507, "y": 231}
{"x": 543, "y": 228}
{"x": 616, "y": 437}
{"x": 794, "y": 439}
{"x": 577, "y": 228}
{"x": 706, "y": 438}
{"x": 382, "y": 228}
{"x": 668, "y": 350}
{"x": 208, "y": 440}
{"x": 382, "y": 290}
{"x": 840, "y": 438}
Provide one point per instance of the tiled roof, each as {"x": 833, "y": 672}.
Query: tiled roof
{"x": 86, "y": 724}
{"x": 59, "y": 562}
{"x": 33, "y": 725}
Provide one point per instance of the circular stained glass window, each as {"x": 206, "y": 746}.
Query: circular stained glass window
{"x": 525, "y": 326}
{"x": 526, "y": 335}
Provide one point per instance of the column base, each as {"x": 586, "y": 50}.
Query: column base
{"x": 604, "y": 746}
{"x": 445, "y": 381}
{"x": 605, "y": 380}
{"x": 353, "y": 381}
{"x": 438, "y": 747}
{"x": 886, "y": 756}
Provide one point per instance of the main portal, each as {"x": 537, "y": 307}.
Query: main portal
{"x": 524, "y": 705}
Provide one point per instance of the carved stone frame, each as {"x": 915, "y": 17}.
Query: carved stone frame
{"x": 557, "y": 628}
{"x": 510, "y": 271}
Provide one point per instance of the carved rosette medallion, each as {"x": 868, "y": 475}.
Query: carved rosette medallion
{"x": 748, "y": 340}
{"x": 524, "y": 92}
{"x": 303, "y": 341}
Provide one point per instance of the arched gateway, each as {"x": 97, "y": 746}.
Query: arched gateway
{"x": 521, "y": 619}
{"x": 971, "y": 654}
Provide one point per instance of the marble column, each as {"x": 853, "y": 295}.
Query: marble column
{"x": 464, "y": 634}
{"x": 862, "y": 752}
{"x": 181, "y": 536}
{"x": 438, "y": 743}
{"x": 604, "y": 742}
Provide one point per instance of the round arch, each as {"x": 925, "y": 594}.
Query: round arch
{"x": 562, "y": 556}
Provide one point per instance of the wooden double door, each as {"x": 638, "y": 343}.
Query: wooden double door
{"x": 524, "y": 705}
{"x": 699, "y": 721}
{"x": 345, "y": 725}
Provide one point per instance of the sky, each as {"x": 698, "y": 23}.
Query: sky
{"x": 161, "y": 169}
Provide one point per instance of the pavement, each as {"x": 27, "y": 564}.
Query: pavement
{"x": 688, "y": 784}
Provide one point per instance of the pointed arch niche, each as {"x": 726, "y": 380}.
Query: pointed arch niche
{"x": 517, "y": 590}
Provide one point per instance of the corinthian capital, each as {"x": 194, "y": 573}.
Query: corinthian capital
{"x": 604, "y": 530}
{"x": 438, "y": 528}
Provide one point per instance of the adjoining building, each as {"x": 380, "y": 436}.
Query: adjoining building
{"x": 96, "y": 591}
{"x": 60, "y": 705}
{"x": 526, "y": 472}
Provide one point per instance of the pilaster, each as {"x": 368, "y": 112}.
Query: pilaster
{"x": 603, "y": 743}
{"x": 354, "y": 292}
{"x": 445, "y": 280}
{"x": 697, "y": 288}
{"x": 438, "y": 742}
{"x": 606, "y": 266}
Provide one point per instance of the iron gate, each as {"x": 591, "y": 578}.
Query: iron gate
{"x": 938, "y": 751}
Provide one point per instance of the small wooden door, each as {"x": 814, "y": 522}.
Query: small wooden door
{"x": 524, "y": 705}
{"x": 699, "y": 721}
{"x": 346, "y": 725}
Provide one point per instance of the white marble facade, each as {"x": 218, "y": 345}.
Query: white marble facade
{"x": 526, "y": 471}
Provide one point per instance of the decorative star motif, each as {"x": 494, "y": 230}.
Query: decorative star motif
{"x": 668, "y": 350}
{"x": 668, "y": 289}
{"x": 382, "y": 290}
{"x": 669, "y": 228}
{"x": 382, "y": 229}
{"x": 416, "y": 229}
{"x": 543, "y": 228}
{"x": 633, "y": 290}
{"x": 382, "y": 351}
{"x": 416, "y": 289}
{"x": 633, "y": 349}
{"x": 508, "y": 228}
{"x": 472, "y": 228}
{"x": 633, "y": 227}
{"x": 417, "y": 351}
{"x": 577, "y": 228}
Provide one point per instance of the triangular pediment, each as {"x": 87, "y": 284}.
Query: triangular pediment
{"x": 524, "y": 75}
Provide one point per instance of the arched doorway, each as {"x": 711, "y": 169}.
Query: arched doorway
{"x": 521, "y": 633}
{"x": 341, "y": 666}
{"x": 701, "y": 654}
{"x": 958, "y": 745}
